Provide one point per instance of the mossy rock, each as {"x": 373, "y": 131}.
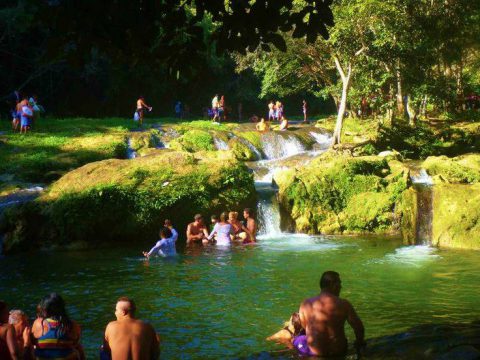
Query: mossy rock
{"x": 463, "y": 169}
{"x": 341, "y": 194}
{"x": 196, "y": 140}
{"x": 127, "y": 200}
{"x": 241, "y": 150}
{"x": 407, "y": 210}
{"x": 253, "y": 137}
{"x": 456, "y": 216}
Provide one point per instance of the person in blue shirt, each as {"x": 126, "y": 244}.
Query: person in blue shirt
{"x": 166, "y": 245}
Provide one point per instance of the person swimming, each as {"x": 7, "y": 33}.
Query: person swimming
{"x": 222, "y": 230}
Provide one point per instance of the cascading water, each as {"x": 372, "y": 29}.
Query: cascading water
{"x": 220, "y": 144}
{"x": 131, "y": 154}
{"x": 267, "y": 209}
{"x": 276, "y": 146}
{"x": 422, "y": 183}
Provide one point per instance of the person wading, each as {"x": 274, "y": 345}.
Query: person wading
{"x": 323, "y": 317}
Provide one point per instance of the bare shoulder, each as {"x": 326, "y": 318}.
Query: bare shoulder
{"x": 347, "y": 305}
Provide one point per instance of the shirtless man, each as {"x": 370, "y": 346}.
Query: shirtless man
{"x": 197, "y": 231}
{"x": 128, "y": 338}
{"x": 251, "y": 226}
{"x": 8, "y": 344}
{"x": 323, "y": 318}
{"x": 141, "y": 106}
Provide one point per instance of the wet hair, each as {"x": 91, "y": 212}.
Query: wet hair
{"x": 165, "y": 233}
{"x": 329, "y": 279}
{"x": 223, "y": 216}
{"x": 131, "y": 304}
{"x": 167, "y": 223}
{"x": 297, "y": 325}
{"x": 198, "y": 217}
{"x": 53, "y": 306}
{"x": 248, "y": 211}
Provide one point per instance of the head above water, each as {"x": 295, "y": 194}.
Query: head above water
{"x": 232, "y": 215}
{"x": 17, "y": 317}
{"x": 223, "y": 216}
{"x": 125, "y": 308}
{"x": 330, "y": 281}
{"x": 247, "y": 213}
{"x": 214, "y": 218}
{"x": 165, "y": 233}
{"x": 167, "y": 223}
{"x": 198, "y": 218}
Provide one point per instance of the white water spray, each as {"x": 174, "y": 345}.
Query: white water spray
{"x": 220, "y": 144}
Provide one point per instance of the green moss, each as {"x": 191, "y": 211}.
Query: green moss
{"x": 463, "y": 169}
{"x": 407, "y": 210}
{"x": 197, "y": 140}
{"x": 86, "y": 204}
{"x": 240, "y": 150}
{"x": 342, "y": 194}
{"x": 456, "y": 216}
{"x": 253, "y": 137}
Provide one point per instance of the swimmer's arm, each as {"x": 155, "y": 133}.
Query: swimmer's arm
{"x": 106, "y": 345}
{"x": 155, "y": 248}
{"x": 356, "y": 324}
{"x": 174, "y": 234}
{"x": 155, "y": 350}
{"x": 11, "y": 342}
{"x": 190, "y": 237}
{"x": 205, "y": 232}
{"x": 250, "y": 234}
{"x": 214, "y": 231}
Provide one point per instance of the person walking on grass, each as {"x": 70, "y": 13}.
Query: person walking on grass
{"x": 215, "y": 104}
{"x": 26, "y": 118}
{"x": 141, "y": 106}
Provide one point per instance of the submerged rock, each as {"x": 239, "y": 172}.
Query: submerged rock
{"x": 125, "y": 200}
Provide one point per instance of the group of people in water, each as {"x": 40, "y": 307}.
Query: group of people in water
{"x": 225, "y": 229}
{"x": 317, "y": 329}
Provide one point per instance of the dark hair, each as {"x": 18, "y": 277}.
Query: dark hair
{"x": 329, "y": 279}
{"x": 223, "y": 216}
{"x": 165, "y": 233}
{"x": 297, "y": 325}
{"x": 131, "y": 303}
{"x": 248, "y": 211}
{"x": 167, "y": 223}
{"x": 53, "y": 306}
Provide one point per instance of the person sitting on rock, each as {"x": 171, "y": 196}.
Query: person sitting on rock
{"x": 23, "y": 331}
{"x": 56, "y": 335}
{"x": 262, "y": 126}
{"x": 129, "y": 338}
{"x": 197, "y": 231}
{"x": 8, "y": 344}
{"x": 283, "y": 124}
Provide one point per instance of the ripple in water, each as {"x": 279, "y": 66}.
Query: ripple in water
{"x": 297, "y": 243}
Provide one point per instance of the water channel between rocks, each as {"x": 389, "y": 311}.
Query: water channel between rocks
{"x": 214, "y": 303}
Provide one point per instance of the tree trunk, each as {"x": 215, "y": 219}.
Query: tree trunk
{"x": 400, "y": 107}
{"x": 343, "y": 102}
{"x": 412, "y": 112}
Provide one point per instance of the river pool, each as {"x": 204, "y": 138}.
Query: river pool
{"x": 212, "y": 303}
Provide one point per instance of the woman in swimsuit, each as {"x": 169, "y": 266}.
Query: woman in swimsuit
{"x": 56, "y": 335}
{"x": 289, "y": 332}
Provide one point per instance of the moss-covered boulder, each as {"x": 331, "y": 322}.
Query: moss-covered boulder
{"x": 242, "y": 149}
{"x": 126, "y": 200}
{"x": 194, "y": 140}
{"x": 456, "y": 216}
{"x": 464, "y": 169}
{"x": 343, "y": 195}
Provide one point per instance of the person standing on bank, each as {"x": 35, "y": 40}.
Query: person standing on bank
{"x": 141, "y": 106}
{"x": 304, "y": 109}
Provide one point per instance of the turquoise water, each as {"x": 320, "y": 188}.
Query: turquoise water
{"x": 213, "y": 303}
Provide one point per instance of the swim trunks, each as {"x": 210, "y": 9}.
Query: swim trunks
{"x": 300, "y": 343}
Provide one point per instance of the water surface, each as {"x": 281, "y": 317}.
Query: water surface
{"x": 213, "y": 303}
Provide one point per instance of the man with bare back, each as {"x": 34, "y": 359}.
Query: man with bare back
{"x": 197, "y": 231}
{"x": 323, "y": 317}
{"x": 128, "y": 338}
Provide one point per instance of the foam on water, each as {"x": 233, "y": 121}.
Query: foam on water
{"x": 416, "y": 255}
{"x": 422, "y": 178}
{"x": 297, "y": 242}
{"x": 323, "y": 139}
{"x": 220, "y": 144}
{"x": 276, "y": 146}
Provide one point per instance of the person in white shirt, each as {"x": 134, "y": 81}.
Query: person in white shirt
{"x": 166, "y": 246}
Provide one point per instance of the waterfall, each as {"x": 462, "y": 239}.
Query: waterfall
{"x": 323, "y": 139}
{"x": 268, "y": 209}
{"x": 424, "y": 189}
{"x": 276, "y": 146}
{"x": 131, "y": 154}
{"x": 258, "y": 154}
{"x": 220, "y": 144}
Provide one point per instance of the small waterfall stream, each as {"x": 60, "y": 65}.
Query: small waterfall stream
{"x": 131, "y": 154}
{"x": 220, "y": 144}
{"x": 423, "y": 185}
